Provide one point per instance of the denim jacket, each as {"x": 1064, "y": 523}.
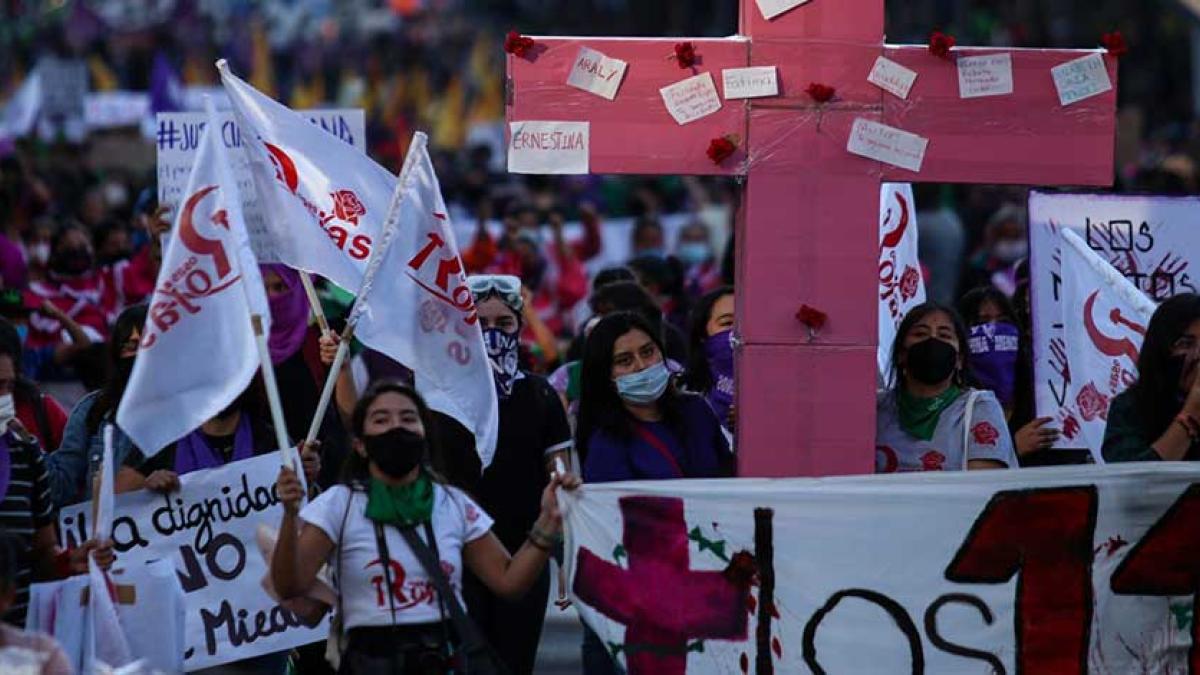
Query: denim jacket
{"x": 78, "y": 458}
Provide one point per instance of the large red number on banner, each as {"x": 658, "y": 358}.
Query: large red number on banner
{"x": 1167, "y": 561}
{"x": 1045, "y": 535}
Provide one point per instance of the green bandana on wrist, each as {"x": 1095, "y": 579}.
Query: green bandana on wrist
{"x": 401, "y": 505}
{"x": 919, "y": 416}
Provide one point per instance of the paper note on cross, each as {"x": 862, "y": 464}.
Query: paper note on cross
{"x": 807, "y": 233}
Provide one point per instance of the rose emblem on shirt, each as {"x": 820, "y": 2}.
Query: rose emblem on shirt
{"x": 985, "y": 434}
{"x": 909, "y": 281}
{"x": 347, "y": 206}
{"x": 933, "y": 461}
{"x": 1092, "y": 404}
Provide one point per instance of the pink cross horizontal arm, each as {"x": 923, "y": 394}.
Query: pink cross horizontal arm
{"x": 807, "y": 229}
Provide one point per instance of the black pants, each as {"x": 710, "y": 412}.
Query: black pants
{"x": 397, "y": 650}
{"x": 513, "y": 628}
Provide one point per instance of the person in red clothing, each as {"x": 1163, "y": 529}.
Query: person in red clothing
{"x": 38, "y": 413}
{"x": 90, "y": 295}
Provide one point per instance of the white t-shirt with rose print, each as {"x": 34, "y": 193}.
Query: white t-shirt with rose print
{"x": 897, "y": 451}
{"x": 457, "y": 520}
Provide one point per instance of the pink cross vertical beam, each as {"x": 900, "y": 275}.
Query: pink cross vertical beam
{"x": 808, "y": 229}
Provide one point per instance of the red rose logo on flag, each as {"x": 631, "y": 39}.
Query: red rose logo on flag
{"x": 933, "y": 461}
{"x": 985, "y": 434}
{"x": 347, "y": 207}
{"x": 1092, "y": 404}
{"x": 909, "y": 282}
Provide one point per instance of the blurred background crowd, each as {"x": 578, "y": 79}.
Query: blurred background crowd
{"x": 80, "y": 199}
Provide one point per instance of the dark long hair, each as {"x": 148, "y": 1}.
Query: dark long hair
{"x": 24, "y": 389}
{"x": 131, "y": 319}
{"x": 699, "y": 377}
{"x": 600, "y": 407}
{"x": 971, "y": 302}
{"x": 354, "y": 469}
{"x": 914, "y": 316}
{"x": 1155, "y": 393}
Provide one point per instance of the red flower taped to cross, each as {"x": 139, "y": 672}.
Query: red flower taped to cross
{"x": 518, "y": 45}
{"x": 347, "y": 206}
{"x": 685, "y": 54}
{"x": 721, "y": 149}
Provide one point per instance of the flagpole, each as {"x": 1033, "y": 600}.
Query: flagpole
{"x": 376, "y": 260}
{"x": 314, "y": 302}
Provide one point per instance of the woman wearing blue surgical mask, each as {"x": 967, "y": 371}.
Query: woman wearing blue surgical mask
{"x": 533, "y": 435}
{"x": 633, "y": 423}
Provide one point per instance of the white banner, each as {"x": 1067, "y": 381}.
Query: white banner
{"x": 208, "y": 529}
{"x": 1097, "y": 301}
{"x": 1153, "y": 241}
{"x": 178, "y": 141}
{"x": 901, "y": 284}
{"x": 1059, "y": 570}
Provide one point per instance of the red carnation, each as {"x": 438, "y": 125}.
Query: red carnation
{"x": 720, "y": 149}
{"x": 742, "y": 570}
{"x": 685, "y": 54}
{"x": 940, "y": 44}
{"x": 517, "y": 44}
{"x": 811, "y": 317}
{"x": 821, "y": 93}
{"x": 1114, "y": 42}
{"x": 985, "y": 434}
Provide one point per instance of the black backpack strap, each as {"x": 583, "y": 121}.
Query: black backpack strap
{"x": 480, "y": 658}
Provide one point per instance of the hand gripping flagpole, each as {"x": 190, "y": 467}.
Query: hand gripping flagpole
{"x": 390, "y": 224}
{"x": 256, "y": 320}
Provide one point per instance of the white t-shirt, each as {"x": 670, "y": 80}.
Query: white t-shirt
{"x": 457, "y": 520}
{"x": 896, "y": 450}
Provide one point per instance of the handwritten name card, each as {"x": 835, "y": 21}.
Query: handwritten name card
{"x": 596, "y": 73}
{"x": 887, "y": 144}
{"x": 989, "y": 75}
{"x": 1081, "y": 79}
{"x": 750, "y": 82}
{"x": 892, "y": 77}
{"x": 689, "y": 100}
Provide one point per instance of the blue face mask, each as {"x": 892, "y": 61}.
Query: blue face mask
{"x": 22, "y": 332}
{"x": 646, "y": 386}
{"x": 693, "y": 253}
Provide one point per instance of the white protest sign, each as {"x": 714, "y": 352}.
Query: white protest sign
{"x": 750, "y": 82}
{"x": 689, "y": 100}
{"x": 597, "y": 73}
{"x": 178, "y": 140}
{"x": 887, "y": 144}
{"x": 1081, "y": 79}
{"x": 901, "y": 284}
{"x": 1153, "y": 241}
{"x": 113, "y": 109}
{"x": 989, "y": 75}
{"x": 208, "y": 529}
{"x": 1063, "y": 570}
{"x": 892, "y": 77}
{"x": 549, "y": 147}
{"x": 773, "y": 8}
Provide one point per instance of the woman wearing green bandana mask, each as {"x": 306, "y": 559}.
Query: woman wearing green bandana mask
{"x": 391, "y": 617}
{"x": 923, "y": 423}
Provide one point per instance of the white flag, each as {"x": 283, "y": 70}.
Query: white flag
{"x": 420, "y": 311}
{"x": 1104, "y": 321}
{"x": 901, "y": 286}
{"x": 19, "y": 115}
{"x": 198, "y": 351}
{"x": 327, "y": 200}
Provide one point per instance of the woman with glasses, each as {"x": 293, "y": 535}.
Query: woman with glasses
{"x": 1158, "y": 418}
{"x": 533, "y": 436}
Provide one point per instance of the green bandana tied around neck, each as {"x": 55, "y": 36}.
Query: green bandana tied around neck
{"x": 401, "y": 505}
{"x": 919, "y": 416}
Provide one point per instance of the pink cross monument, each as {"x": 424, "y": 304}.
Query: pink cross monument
{"x": 808, "y": 229}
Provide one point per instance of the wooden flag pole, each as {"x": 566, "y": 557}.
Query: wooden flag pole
{"x": 268, "y": 373}
{"x": 314, "y": 302}
{"x": 343, "y": 351}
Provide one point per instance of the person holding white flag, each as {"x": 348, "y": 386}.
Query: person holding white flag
{"x": 208, "y": 301}
{"x": 1158, "y": 417}
{"x": 334, "y": 218}
{"x": 1104, "y": 323}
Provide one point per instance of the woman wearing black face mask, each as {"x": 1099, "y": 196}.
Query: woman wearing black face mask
{"x": 1158, "y": 418}
{"x": 357, "y": 526}
{"x": 932, "y": 421}
{"x": 78, "y": 458}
